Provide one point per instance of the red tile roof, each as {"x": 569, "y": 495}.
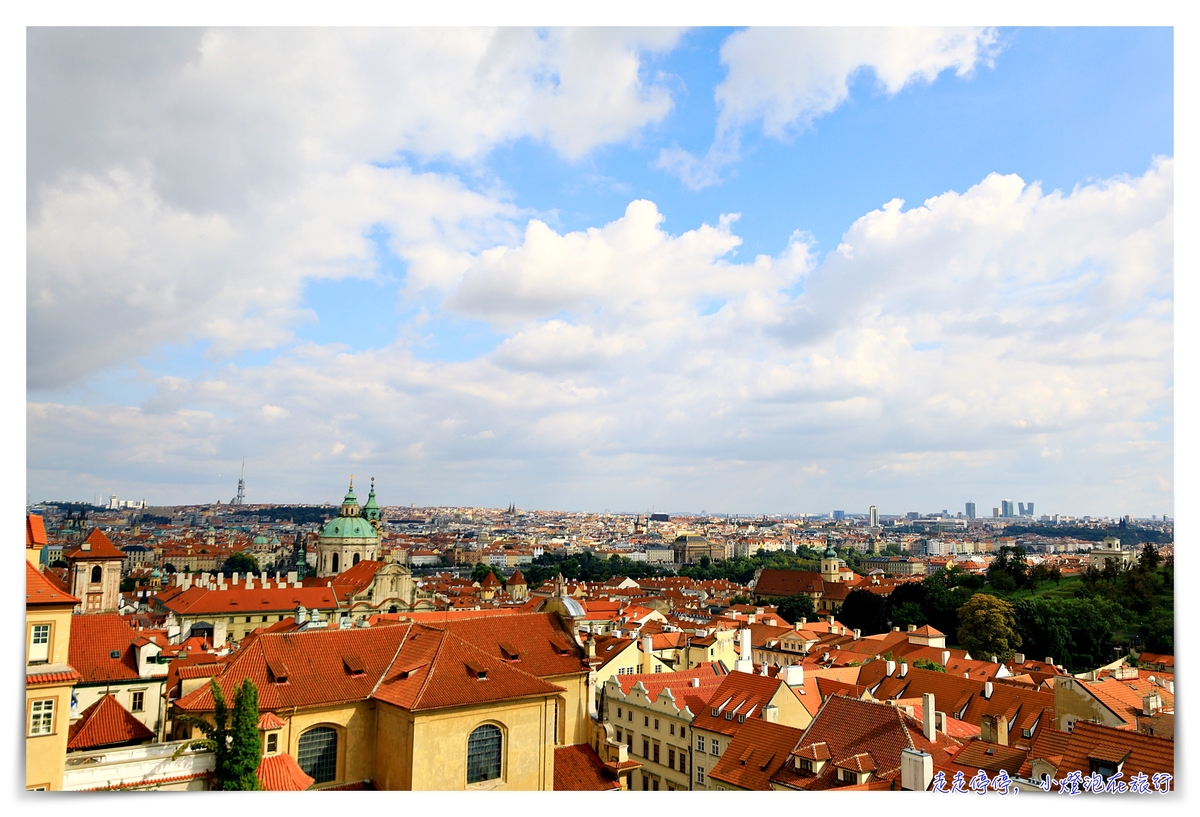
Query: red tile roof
{"x": 35, "y": 531}
{"x": 515, "y": 579}
{"x": 100, "y": 549}
{"x": 268, "y": 720}
{"x": 579, "y": 768}
{"x": 54, "y": 674}
{"x": 740, "y": 693}
{"x": 756, "y": 753}
{"x": 1147, "y": 754}
{"x": 40, "y": 590}
{"x": 240, "y": 601}
{"x": 106, "y": 723}
{"x": 785, "y": 583}
{"x": 547, "y": 647}
{"x": 281, "y": 772}
{"x": 93, "y": 640}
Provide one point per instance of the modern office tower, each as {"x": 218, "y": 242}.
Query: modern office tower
{"x": 838, "y": 516}
{"x": 1029, "y": 508}
{"x": 1020, "y": 509}
{"x": 873, "y": 517}
{"x": 995, "y": 513}
{"x": 971, "y": 511}
{"x": 1006, "y": 508}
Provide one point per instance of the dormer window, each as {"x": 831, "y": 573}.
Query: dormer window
{"x": 272, "y": 743}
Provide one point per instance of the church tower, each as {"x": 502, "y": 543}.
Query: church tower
{"x": 94, "y": 574}
{"x": 830, "y": 565}
{"x": 371, "y": 511}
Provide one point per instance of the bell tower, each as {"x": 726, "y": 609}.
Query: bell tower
{"x": 830, "y": 565}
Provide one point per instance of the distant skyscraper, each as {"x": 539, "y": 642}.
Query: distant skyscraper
{"x": 1006, "y": 508}
{"x": 971, "y": 511}
{"x": 838, "y": 516}
{"x": 873, "y": 517}
{"x": 995, "y": 513}
{"x": 1029, "y": 509}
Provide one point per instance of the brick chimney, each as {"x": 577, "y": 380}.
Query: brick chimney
{"x": 927, "y": 716}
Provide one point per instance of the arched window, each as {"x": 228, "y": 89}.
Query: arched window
{"x": 483, "y": 753}
{"x": 335, "y": 563}
{"x": 317, "y": 754}
{"x": 96, "y": 574}
{"x": 355, "y": 561}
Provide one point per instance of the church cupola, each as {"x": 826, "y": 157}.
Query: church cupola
{"x": 371, "y": 510}
{"x": 350, "y": 503}
{"x": 830, "y": 565}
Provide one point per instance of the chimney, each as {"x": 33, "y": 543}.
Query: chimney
{"x": 234, "y": 579}
{"x": 301, "y": 615}
{"x": 1049, "y": 660}
{"x": 293, "y": 577}
{"x": 1171, "y": 687}
{"x": 249, "y": 582}
{"x": 993, "y": 729}
{"x": 792, "y": 675}
{"x": 857, "y": 634}
{"x": 745, "y": 662}
{"x": 987, "y": 690}
{"x": 891, "y": 667}
{"x": 266, "y": 584}
{"x": 927, "y": 709}
{"x": 770, "y": 713}
{"x": 1019, "y": 658}
{"x": 939, "y": 720}
{"x": 995, "y": 659}
{"x": 916, "y": 770}
{"x": 695, "y": 682}
{"x": 945, "y": 657}
{"x": 1151, "y": 704}
{"x": 895, "y": 629}
{"x": 647, "y": 654}
{"x": 803, "y": 620}
{"x": 912, "y": 628}
{"x": 903, "y": 669}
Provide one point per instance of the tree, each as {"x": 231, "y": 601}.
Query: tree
{"x": 236, "y": 748}
{"x": 481, "y": 570}
{"x": 865, "y": 611}
{"x": 1149, "y": 560}
{"x": 925, "y": 663}
{"x": 987, "y": 627}
{"x": 240, "y": 563}
{"x": 794, "y": 608}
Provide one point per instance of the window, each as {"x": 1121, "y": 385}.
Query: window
{"x": 96, "y": 574}
{"x": 273, "y": 743}
{"x": 716, "y": 748}
{"x": 670, "y": 758}
{"x": 247, "y": 619}
{"x": 620, "y": 738}
{"x": 657, "y": 668}
{"x": 556, "y": 741}
{"x": 630, "y": 714}
{"x": 629, "y": 739}
{"x": 682, "y": 761}
{"x": 645, "y": 748}
{"x": 137, "y": 701}
{"x": 656, "y": 784}
{"x": 683, "y": 731}
{"x": 672, "y": 729}
{"x": 335, "y": 563}
{"x": 656, "y": 753}
{"x": 803, "y": 764}
{"x": 41, "y": 717}
{"x": 700, "y": 774}
{"x": 317, "y": 753}
{"x": 847, "y": 776}
{"x": 39, "y": 644}
{"x": 647, "y": 719}
{"x": 656, "y": 723}
{"x": 618, "y": 713}
{"x": 483, "y": 753}
{"x": 699, "y": 743}
{"x": 645, "y": 783}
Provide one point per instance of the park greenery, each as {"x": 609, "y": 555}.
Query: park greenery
{"x": 232, "y": 737}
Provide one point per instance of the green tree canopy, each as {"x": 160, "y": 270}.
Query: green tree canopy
{"x": 794, "y": 608}
{"x": 987, "y": 627}
{"x": 865, "y": 611}
{"x": 240, "y": 563}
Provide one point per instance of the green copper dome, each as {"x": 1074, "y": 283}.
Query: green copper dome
{"x": 349, "y": 527}
{"x": 830, "y": 553}
{"x": 260, "y": 540}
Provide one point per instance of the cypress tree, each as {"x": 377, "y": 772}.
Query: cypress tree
{"x": 245, "y": 746}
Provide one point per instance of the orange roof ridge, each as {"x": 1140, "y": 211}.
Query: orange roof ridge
{"x": 105, "y": 723}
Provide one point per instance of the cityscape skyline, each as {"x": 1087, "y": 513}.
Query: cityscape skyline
{"x": 750, "y": 269}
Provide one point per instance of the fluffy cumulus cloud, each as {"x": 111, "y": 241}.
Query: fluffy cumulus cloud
{"x": 185, "y": 184}
{"x": 784, "y": 78}
{"x": 1002, "y": 335}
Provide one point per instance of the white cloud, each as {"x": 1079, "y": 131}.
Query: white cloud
{"x": 785, "y": 78}
{"x": 185, "y": 184}
{"x": 953, "y": 343}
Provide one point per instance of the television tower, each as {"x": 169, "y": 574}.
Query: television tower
{"x": 240, "y": 499}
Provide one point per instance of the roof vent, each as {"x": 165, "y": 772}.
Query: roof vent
{"x": 354, "y": 665}
{"x": 114, "y": 653}
{"x": 510, "y": 652}
{"x": 476, "y": 670}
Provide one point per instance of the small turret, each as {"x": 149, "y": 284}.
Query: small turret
{"x": 371, "y": 510}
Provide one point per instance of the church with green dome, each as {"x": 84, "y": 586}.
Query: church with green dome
{"x": 350, "y": 537}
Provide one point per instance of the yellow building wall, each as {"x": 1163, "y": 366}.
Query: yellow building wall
{"x": 791, "y": 711}
{"x": 46, "y": 755}
{"x": 574, "y": 719}
{"x": 59, "y": 620}
{"x": 434, "y": 746}
{"x": 355, "y": 725}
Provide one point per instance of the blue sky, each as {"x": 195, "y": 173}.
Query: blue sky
{"x": 496, "y": 267}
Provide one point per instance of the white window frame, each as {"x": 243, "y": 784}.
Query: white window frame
{"x": 41, "y": 717}
{"x": 39, "y": 649}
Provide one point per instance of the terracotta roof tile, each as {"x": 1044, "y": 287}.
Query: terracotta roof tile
{"x": 1146, "y": 753}
{"x": 106, "y": 723}
{"x": 269, "y": 720}
{"x": 787, "y": 583}
{"x": 236, "y": 601}
{"x": 757, "y": 752}
{"x": 40, "y": 590}
{"x": 50, "y": 674}
{"x": 94, "y": 638}
{"x": 99, "y": 549}
{"x": 281, "y": 772}
{"x": 740, "y": 693}
{"x": 579, "y": 768}
{"x": 35, "y": 531}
